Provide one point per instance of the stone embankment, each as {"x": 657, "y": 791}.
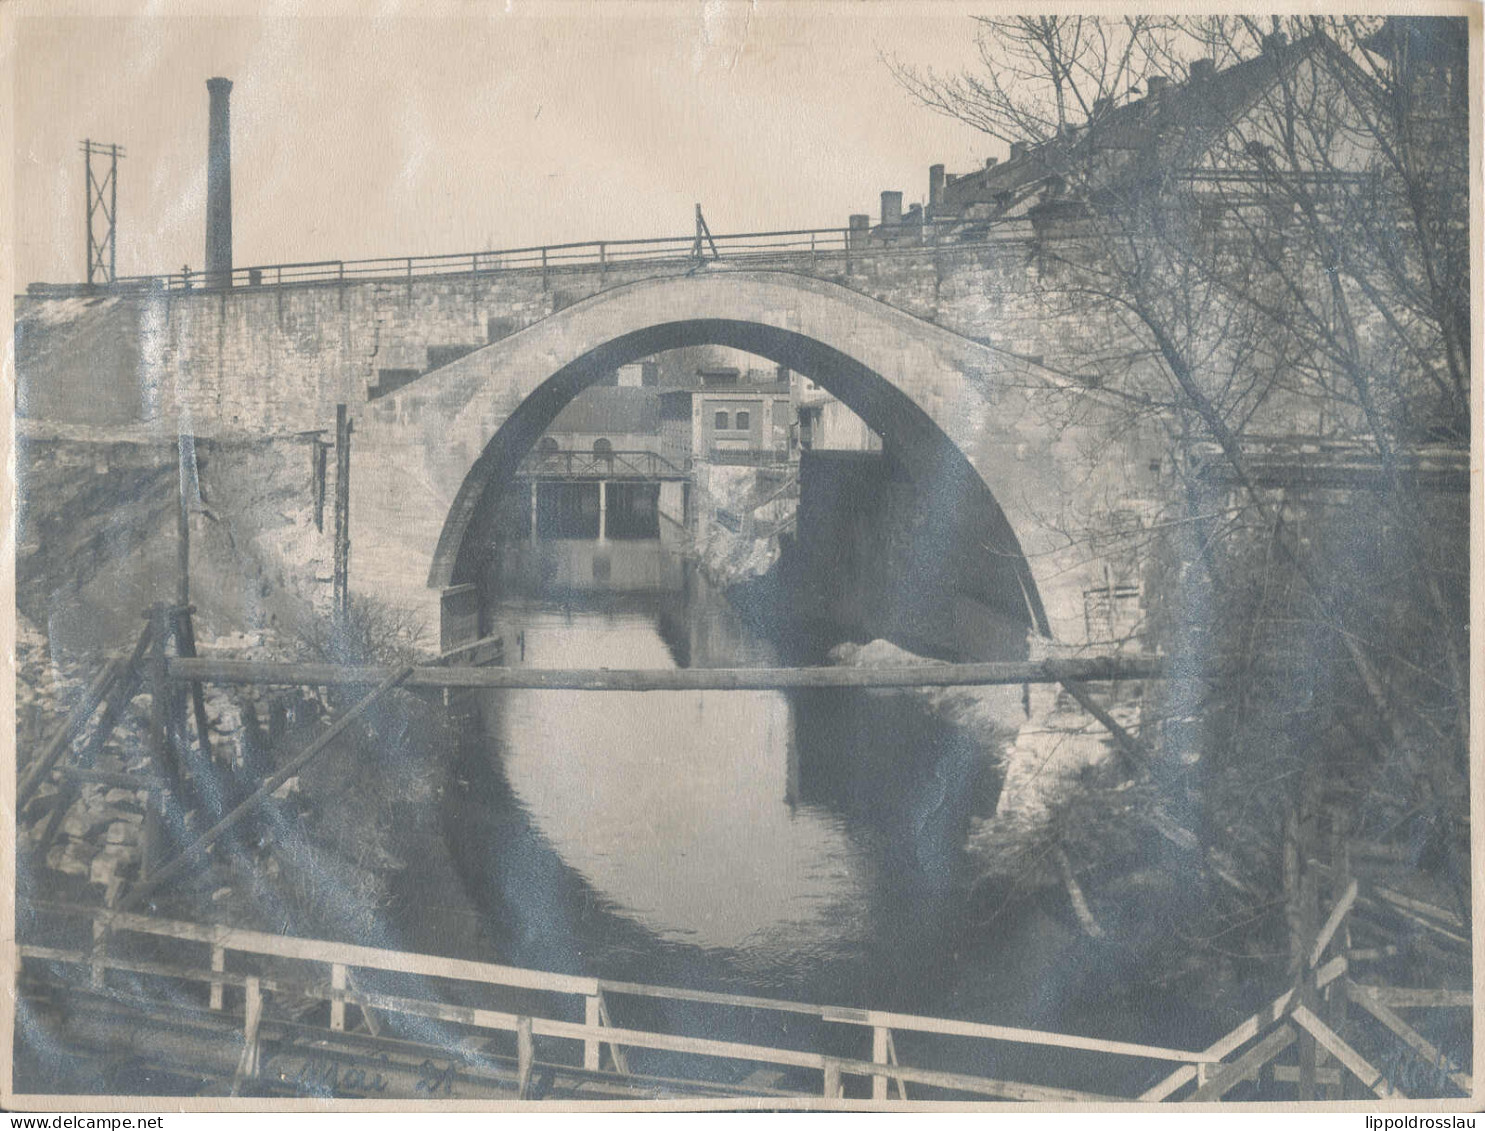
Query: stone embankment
{"x": 1052, "y": 757}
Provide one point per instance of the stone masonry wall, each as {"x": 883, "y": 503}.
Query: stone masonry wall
{"x": 254, "y": 360}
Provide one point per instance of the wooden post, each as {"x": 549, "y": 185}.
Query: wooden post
{"x": 61, "y": 742}
{"x": 342, "y": 513}
{"x": 592, "y": 1050}
{"x": 149, "y": 845}
{"x": 1343, "y": 892}
{"x": 317, "y": 463}
{"x": 166, "y": 765}
{"x": 185, "y": 644}
{"x": 620, "y": 1057}
{"x": 337, "y": 1005}
{"x": 218, "y": 964}
{"x": 256, "y": 798}
{"x": 247, "y": 1065}
{"x": 831, "y": 1087}
{"x": 879, "y": 1056}
{"x": 525, "y": 1057}
{"x": 100, "y": 951}
{"x": 187, "y": 446}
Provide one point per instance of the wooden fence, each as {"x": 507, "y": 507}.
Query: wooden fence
{"x": 329, "y": 972}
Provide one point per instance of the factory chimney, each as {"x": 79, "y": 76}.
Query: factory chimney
{"x": 219, "y": 186}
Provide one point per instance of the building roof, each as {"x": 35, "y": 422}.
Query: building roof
{"x": 1168, "y": 129}
{"x": 611, "y": 408}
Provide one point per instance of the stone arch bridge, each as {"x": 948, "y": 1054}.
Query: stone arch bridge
{"x": 935, "y": 347}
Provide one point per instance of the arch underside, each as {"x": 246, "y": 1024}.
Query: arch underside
{"x": 957, "y": 496}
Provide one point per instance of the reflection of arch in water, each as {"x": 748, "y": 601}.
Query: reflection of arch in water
{"x": 957, "y": 496}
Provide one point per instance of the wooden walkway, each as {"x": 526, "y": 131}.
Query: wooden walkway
{"x": 298, "y": 1016}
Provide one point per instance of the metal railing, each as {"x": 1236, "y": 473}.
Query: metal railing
{"x": 598, "y": 465}
{"x": 740, "y": 247}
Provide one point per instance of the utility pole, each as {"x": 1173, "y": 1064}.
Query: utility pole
{"x": 703, "y": 239}
{"x": 102, "y": 199}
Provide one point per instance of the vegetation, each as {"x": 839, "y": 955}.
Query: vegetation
{"x": 1270, "y": 259}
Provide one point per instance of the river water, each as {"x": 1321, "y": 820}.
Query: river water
{"x": 805, "y": 845}
{"x": 802, "y": 844}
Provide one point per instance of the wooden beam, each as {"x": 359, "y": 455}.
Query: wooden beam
{"x": 261, "y": 794}
{"x": 211, "y": 670}
{"x": 61, "y": 741}
{"x": 1132, "y": 747}
{"x": 1230, "y": 1076}
{"x": 1410, "y": 1036}
{"x": 1406, "y": 997}
{"x": 1353, "y": 1060}
{"x": 1244, "y": 1033}
{"x": 1332, "y": 924}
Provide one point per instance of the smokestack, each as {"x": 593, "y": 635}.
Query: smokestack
{"x": 935, "y": 185}
{"x": 219, "y": 186}
{"x": 1156, "y": 85}
{"x": 1202, "y": 69}
{"x": 1018, "y": 149}
{"x": 891, "y": 208}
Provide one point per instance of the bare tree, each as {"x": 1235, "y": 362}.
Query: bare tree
{"x": 1270, "y": 241}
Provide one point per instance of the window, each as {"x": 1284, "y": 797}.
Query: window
{"x": 546, "y": 445}
{"x": 720, "y": 424}
{"x": 741, "y": 423}
{"x": 602, "y": 447}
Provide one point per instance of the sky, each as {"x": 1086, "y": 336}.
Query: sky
{"x": 485, "y": 125}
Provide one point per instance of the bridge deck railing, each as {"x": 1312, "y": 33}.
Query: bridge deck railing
{"x": 744, "y": 247}
{"x": 571, "y": 464}
{"x": 255, "y": 964}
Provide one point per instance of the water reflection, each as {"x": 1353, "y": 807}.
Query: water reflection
{"x": 806, "y": 843}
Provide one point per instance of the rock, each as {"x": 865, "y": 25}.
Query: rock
{"x": 220, "y": 894}
{"x": 108, "y": 861}
{"x": 72, "y": 858}
{"x": 124, "y": 797}
{"x": 119, "y": 833}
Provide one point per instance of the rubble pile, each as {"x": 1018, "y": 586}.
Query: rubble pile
{"x": 100, "y": 833}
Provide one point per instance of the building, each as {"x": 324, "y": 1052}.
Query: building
{"x": 825, "y": 424}
{"x": 728, "y": 417}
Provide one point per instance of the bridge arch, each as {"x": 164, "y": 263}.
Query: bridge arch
{"x": 942, "y": 403}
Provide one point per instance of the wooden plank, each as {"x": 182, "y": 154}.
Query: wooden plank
{"x": 211, "y": 670}
{"x": 1404, "y": 997}
{"x": 1428, "y": 924}
{"x": 1344, "y": 1053}
{"x": 61, "y": 741}
{"x": 1031, "y": 1037}
{"x": 104, "y": 777}
{"x": 1239, "y": 1070}
{"x": 1133, "y": 748}
{"x": 1333, "y": 922}
{"x": 347, "y": 954}
{"x": 1420, "y": 1044}
{"x": 287, "y": 946}
{"x": 525, "y": 1056}
{"x": 497, "y": 1020}
{"x": 261, "y": 794}
{"x": 1289, "y": 1074}
{"x": 1243, "y": 1033}
{"x": 1432, "y": 910}
{"x": 185, "y": 640}
{"x": 342, "y": 560}
{"x": 879, "y": 1037}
